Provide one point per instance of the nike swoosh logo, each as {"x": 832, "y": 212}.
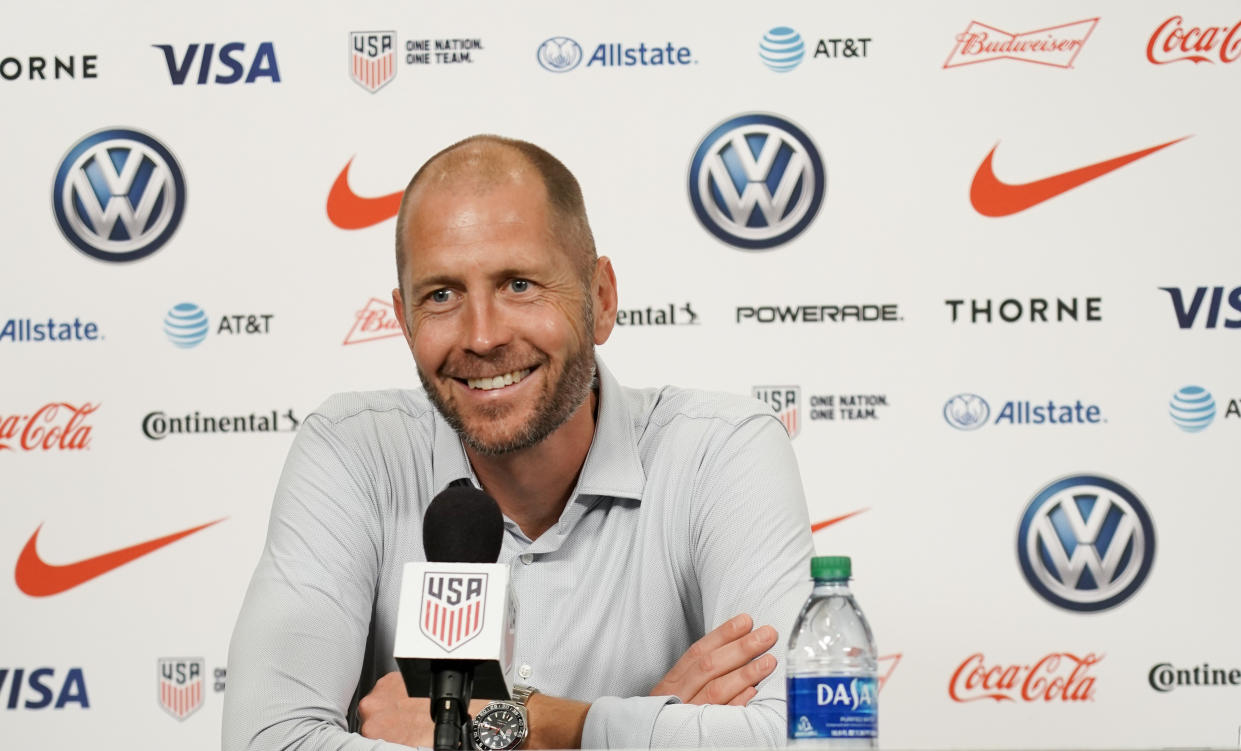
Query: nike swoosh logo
{"x": 994, "y": 197}
{"x": 348, "y": 210}
{"x": 829, "y": 522}
{"x": 38, "y": 578}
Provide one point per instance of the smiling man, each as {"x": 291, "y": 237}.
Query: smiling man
{"x": 648, "y": 530}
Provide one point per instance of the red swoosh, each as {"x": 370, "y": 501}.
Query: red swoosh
{"x": 993, "y": 197}
{"x": 348, "y": 210}
{"x": 38, "y": 578}
{"x": 829, "y": 522}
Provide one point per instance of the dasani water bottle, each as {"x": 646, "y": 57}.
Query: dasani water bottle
{"x": 832, "y": 671}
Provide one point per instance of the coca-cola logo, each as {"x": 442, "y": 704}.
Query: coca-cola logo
{"x": 376, "y": 320}
{"x": 54, "y": 426}
{"x": 1059, "y": 676}
{"x": 1056, "y": 46}
{"x": 1173, "y": 42}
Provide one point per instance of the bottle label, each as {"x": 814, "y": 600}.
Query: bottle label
{"x": 833, "y": 707}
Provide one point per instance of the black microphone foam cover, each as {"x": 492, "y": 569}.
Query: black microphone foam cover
{"x": 463, "y": 525}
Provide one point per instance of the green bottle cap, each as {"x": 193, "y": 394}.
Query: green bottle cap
{"x": 831, "y": 567}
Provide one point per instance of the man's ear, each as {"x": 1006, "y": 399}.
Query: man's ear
{"x": 603, "y": 291}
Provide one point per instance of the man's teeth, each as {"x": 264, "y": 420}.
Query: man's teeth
{"x": 500, "y": 381}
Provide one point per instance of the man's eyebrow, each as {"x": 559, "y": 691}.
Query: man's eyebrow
{"x": 449, "y": 280}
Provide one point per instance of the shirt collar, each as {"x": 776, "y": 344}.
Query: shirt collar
{"x": 612, "y": 466}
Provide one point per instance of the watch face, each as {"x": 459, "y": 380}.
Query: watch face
{"x": 499, "y": 727}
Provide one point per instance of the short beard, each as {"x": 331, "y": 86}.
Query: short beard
{"x": 568, "y": 394}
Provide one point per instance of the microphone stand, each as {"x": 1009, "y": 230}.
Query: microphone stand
{"x": 452, "y": 684}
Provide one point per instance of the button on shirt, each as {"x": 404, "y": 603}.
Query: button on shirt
{"x": 688, "y": 510}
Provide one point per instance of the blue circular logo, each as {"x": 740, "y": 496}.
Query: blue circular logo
{"x": 118, "y": 195}
{"x": 1192, "y": 408}
{"x": 559, "y": 54}
{"x": 186, "y": 325}
{"x": 1086, "y": 543}
{"x": 967, "y": 411}
{"x": 756, "y": 181}
{"x": 781, "y": 49}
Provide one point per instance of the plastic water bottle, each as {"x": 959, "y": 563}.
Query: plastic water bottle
{"x": 833, "y": 682}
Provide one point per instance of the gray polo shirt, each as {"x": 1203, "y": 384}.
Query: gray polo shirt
{"x": 688, "y": 510}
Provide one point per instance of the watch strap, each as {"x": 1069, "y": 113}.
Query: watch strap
{"x": 522, "y": 693}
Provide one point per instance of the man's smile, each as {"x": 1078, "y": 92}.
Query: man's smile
{"x": 496, "y": 382}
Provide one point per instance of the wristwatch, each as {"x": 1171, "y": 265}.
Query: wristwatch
{"x": 503, "y": 725}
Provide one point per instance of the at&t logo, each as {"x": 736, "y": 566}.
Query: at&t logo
{"x": 756, "y": 181}
{"x": 1192, "y": 408}
{"x": 118, "y": 195}
{"x": 782, "y": 49}
{"x": 1086, "y": 543}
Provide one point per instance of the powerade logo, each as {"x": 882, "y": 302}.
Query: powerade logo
{"x": 756, "y": 181}
{"x": 971, "y": 412}
{"x": 561, "y": 54}
{"x": 186, "y": 325}
{"x": 782, "y": 49}
{"x": 1086, "y": 543}
{"x": 118, "y": 195}
{"x": 1192, "y": 409}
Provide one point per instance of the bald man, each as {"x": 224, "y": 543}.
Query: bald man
{"x": 648, "y": 530}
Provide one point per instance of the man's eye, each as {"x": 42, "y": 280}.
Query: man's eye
{"x": 440, "y": 295}
{"x": 519, "y": 285}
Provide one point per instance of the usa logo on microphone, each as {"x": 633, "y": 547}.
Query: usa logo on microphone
{"x": 453, "y": 608}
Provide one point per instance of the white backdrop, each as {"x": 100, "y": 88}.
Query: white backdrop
{"x": 901, "y": 131}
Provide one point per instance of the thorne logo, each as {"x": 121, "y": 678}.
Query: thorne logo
{"x": 376, "y": 320}
{"x": 785, "y": 401}
{"x": 1032, "y": 310}
{"x": 756, "y": 181}
{"x": 1174, "y": 42}
{"x": 41, "y": 68}
{"x": 57, "y": 426}
{"x": 1056, "y": 46}
{"x": 1059, "y": 676}
{"x": 1085, "y": 543}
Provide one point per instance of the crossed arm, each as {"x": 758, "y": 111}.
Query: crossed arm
{"x": 723, "y": 667}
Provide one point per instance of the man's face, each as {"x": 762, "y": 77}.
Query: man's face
{"x": 496, "y": 315}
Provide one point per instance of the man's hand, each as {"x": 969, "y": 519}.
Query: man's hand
{"x": 389, "y": 713}
{"x": 720, "y": 668}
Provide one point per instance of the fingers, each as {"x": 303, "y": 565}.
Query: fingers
{"x": 738, "y": 686}
{"x": 681, "y": 676}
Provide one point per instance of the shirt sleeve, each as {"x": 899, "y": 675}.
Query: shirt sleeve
{"x": 297, "y": 650}
{"x": 751, "y": 546}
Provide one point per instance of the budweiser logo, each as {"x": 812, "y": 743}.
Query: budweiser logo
{"x": 375, "y": 321}
{"x": 1060, "y": 676}
{"x": 1055, "y": 45}
{"x": 1172, "y": 42}
{"x": 58, "y": 425}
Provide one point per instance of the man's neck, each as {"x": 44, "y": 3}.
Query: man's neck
{"x": 533, "y": 485}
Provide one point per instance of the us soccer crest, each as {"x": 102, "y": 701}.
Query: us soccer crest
{"x": 372, "y": 58}
{"x": 453, "y": 608}
{"x": 181, "y": 681}
{"x": 786, "y": 402}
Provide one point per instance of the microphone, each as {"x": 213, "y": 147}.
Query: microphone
{"x": 456, "y": 621}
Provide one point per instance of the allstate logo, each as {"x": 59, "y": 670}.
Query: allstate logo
{"x": 1086, "y": 543}
{"x": 1192, "y": 408}
{"x": 559, "y": 54}
{"x": 119, "y": 195}
{"x": 967, "y": 411}
{"x": 756, "y": 181}
{"x": 781, "y": 49}
{"x": 186, "y": 325}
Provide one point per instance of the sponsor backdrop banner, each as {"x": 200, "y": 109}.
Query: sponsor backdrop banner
{"x": 979, "y": 258}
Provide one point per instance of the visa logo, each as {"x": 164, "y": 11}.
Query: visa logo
{"x": 1212, "y": 298}
{"x": 233, "y": 63}
{"x": 40, "y": 685}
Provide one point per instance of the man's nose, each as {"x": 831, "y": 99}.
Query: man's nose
{"x": 485, "y": 326}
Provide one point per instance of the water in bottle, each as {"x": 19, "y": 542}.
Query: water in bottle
{"x": 832, "y": 671}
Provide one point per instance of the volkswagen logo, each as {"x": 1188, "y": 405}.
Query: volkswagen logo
{"x": 559, "y": 54}
{"x": 1086, "y": 543}
{"x": 756, "y": 181}
{"x": 118, "y": 195}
